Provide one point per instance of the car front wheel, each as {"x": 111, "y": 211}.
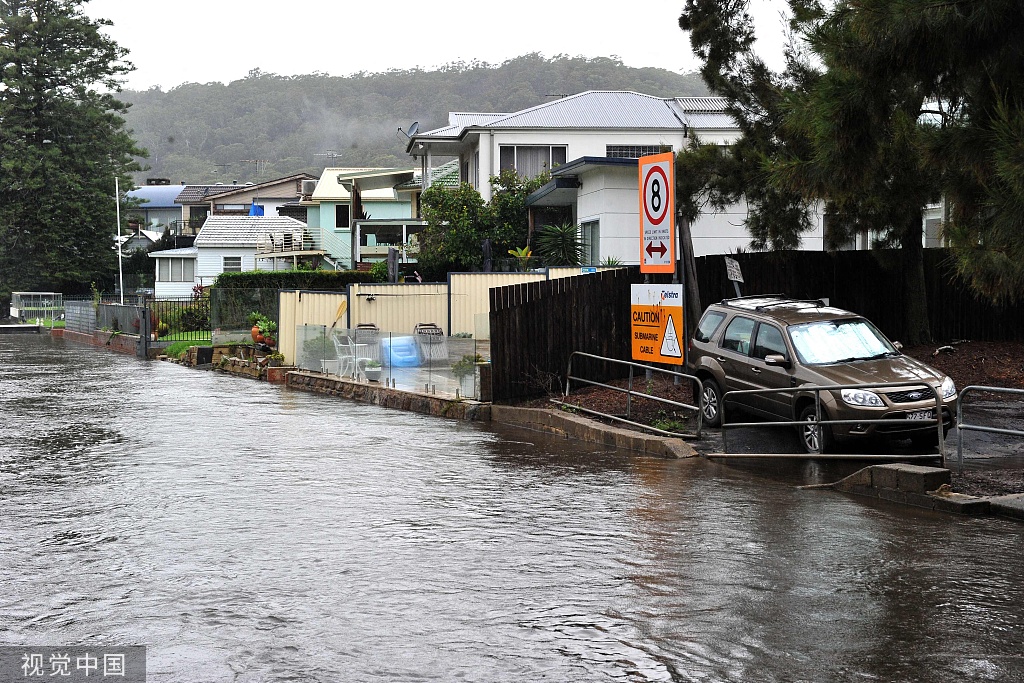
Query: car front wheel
{"x": 814, "y": 438}
{"x": 711, "y": 403}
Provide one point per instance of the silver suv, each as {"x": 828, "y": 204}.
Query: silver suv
{"x": 774, "y": 342}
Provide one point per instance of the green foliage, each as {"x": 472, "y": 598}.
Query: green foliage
{"x": 379, "y": 271}
{"x": 319, "y": 280}
{"x": 559, "y": 245}
{"x": 456, "y": 224}
{"x": 506, "y": 217}
{"x": 466, "y": 365}
{"x": 611, "y": 262}
{"x": 62, "y": 142}
{"x": 522, "y": 255}
{"x": 175, "y": 349}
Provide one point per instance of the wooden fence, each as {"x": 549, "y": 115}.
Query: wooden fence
{"x": 868, "y": 283}
{"x": 536, "y": 326}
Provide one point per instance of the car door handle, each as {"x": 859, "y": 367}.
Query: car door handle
{"x": 755, "y": 370}
{"x": 721, "y": 360}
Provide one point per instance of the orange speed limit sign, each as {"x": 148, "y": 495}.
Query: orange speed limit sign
{"x": 657, "y": 213}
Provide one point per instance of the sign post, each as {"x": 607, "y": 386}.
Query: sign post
{"x": 657, "y": 330}
{"x": 657, "y": 213}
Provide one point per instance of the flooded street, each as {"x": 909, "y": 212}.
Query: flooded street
{"x": 245, "y": 532}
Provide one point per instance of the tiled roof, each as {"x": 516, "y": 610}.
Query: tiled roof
{"x": 242, "y": 231}
{"x": 222, "y": 191}
{"x": 194, "y": 194}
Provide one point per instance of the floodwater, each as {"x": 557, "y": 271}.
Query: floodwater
{"x": 245, "y": 532}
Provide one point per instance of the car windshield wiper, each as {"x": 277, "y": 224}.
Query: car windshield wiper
{"x": 853, "y": 358}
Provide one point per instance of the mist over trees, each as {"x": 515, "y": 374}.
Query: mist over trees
{"x": 266, "y": 126}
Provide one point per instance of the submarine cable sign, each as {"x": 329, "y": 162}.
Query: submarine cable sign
{"x": 656, "y": 313}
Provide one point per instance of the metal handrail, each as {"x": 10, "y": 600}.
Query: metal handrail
{"x": 630, "y": 393}
{"x": 937, "y": 420}
{"x": 961, "y": 427}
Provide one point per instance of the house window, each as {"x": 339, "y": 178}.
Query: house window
{"x": 232, "y": 264}
{"x": 175, "y": 270}
{"x": 591, "y": 234}
{"x": 341, "y": 216}
{"x": 634, "y": 151}
{"x": 530, "y": 161}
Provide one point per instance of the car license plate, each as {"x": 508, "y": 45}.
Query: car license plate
{"x": 919, "y": 415}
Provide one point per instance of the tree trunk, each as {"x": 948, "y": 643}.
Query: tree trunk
{"x": 916, "y": 328}
{"x": 689, "y": 269}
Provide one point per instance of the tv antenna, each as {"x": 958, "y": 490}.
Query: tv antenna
{"x": 221, "y": 166}
{"x": 257, "y": 162}
{"x": 413, "y": 129}
{"x": 330, "y": 154}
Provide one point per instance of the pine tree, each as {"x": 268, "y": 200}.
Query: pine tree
{"x": 62, "y": 142}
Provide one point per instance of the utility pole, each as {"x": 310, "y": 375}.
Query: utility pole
{"x": 120, "y": 269}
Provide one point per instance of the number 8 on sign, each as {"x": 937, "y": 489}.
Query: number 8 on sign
{"x": 654, "y": 187}
{"x": 657, "y": 213}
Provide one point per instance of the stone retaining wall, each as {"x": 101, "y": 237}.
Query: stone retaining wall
{"x": 377, "y": 394}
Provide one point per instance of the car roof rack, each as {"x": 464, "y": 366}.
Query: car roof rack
{"x": 726, "y": 302}
{"x": 816, "y": 302}
{"x": 780, "y": 300}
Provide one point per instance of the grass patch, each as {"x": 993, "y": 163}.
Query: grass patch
{"x": 179, "y": 347}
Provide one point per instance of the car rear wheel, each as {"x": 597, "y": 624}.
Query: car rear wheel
{"x": 711, "y": 403}
{"x": 814, "y": 438}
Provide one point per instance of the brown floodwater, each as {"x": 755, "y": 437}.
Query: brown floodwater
{"x": 245, "y": 532}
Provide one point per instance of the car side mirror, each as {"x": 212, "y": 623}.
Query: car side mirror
{"x": 777, "y": 359}
{"x": 899, "y": 347}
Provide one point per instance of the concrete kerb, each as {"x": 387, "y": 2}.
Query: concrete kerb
{"x": 924, "y": 487}
{"x": 583, "y": 429}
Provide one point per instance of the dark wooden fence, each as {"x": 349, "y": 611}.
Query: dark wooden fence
{"x": 868, "y": 283}
{"x": 536, "y": 326}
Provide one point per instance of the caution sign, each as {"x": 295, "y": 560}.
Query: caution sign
{"x": 657, "y": 327}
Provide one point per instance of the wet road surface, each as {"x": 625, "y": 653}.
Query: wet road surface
{"x": 245, "y": 532}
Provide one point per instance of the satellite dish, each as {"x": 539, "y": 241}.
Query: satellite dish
{"x": 414, "y": 128}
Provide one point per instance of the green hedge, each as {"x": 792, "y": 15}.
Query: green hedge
{"x": 320, "y": 280}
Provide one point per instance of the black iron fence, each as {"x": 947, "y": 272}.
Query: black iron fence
{"x": 181, "y": 319}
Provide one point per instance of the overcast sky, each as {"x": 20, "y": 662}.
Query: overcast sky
{"x": 202, "y": 41}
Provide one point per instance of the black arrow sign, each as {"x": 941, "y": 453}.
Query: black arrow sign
{"x": 660, "y": 249}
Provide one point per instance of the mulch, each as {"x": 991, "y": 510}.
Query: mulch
{"x": 996, "y": 364}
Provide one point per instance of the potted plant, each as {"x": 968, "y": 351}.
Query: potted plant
{"x": 372, "y": 370}
{"x": 275, "y": 359}
{"x": 465, "y": 371}
{"x": 268, "y": 330}
{"x": 254, "y": 319}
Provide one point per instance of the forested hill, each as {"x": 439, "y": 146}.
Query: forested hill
{"x": 266, "y": 126}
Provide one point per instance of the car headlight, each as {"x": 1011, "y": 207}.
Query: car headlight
{"x": 947, "y": 388}
{"x": 859, "y": 397}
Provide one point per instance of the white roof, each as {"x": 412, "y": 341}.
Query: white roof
{"x": 184, "y": 252}
{"x": 601, "y": 109}
{"x": 242, "y": 231}
{"x": 330, "y": 187}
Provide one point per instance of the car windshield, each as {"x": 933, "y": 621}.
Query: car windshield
{"x": 837, "y": 341}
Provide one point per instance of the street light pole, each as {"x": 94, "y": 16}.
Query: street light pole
{"x": 120, "y": 270}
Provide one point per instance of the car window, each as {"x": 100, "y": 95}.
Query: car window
{"x": 836, "y": 341}
{"x": 737, "y": 335}
{"x": 708, "y": 324}
{"x": 769, "y": 340}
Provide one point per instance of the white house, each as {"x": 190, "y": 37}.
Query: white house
{"x": 590, "y": 143}
{"x": 232, "y": 244}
